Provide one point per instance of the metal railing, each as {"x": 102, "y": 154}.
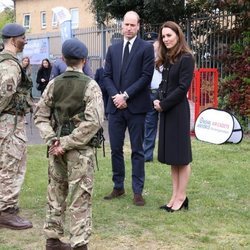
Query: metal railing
{"x": 211, "y": 36}
{"x": 208, "y": 36}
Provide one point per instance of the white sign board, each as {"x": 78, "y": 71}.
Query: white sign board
{"x": 217, "y": 126}
{"x": 36, "y": 50}
{"x": 62, "y": 14}
{"x": 64, "y": 18}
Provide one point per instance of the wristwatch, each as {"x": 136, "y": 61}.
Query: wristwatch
{"x": 125, "y": 96}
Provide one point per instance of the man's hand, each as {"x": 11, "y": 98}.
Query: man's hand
{"x": 119, "y": 101}
{"x": 56, "y": 149}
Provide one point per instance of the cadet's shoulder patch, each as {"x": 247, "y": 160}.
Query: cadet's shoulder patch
{"x": 9, "y": 87}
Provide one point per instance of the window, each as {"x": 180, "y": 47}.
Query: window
{"x": 43, "y": 19}
{"x": 54, "y": 20}
{"x": 26, "y": 21}
{"x": 74, "y": 18}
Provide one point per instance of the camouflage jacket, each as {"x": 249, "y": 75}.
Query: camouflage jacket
{"x": 10, "y": 79}
{"x": 84, "y": 129}
{"x": 15, "y": 86}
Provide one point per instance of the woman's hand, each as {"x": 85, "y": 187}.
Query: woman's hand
{"x": 157, "y": 105}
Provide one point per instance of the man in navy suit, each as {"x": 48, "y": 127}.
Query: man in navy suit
{"x": 99, "y": 76}
{"x": 59, "y": 67}
{"x": 128, "y": 72}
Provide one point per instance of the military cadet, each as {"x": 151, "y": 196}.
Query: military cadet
{"x": 68, "y": 115}
{"x": 151, "y": 120}
{"x": 15, "y": 102}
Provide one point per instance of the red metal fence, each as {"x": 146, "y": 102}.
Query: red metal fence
{"x": 203, "y": 92}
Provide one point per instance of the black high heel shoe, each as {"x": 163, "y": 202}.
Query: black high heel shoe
{"x": 165, "y": 207}
{"x": 183, "y": 205}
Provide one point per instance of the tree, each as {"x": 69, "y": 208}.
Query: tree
{"x": 159, "y": 11}
{"x": 204, "y": 6}
{"x": 150, "y": 11}
{"x": 7, "y": 16}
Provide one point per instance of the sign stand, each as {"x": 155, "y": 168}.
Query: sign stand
{"x": 217, "y": 126}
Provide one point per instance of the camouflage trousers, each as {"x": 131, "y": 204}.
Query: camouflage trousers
{"x": 71, "y": 179}
{"x": 12, "y": 170}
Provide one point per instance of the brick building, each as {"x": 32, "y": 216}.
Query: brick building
{"x": 38, "y": 18}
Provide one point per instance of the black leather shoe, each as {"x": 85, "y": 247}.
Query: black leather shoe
{"x": 183, "y": 205}
{"x": 115, "y": 194}
{"x": 165, "y": 207}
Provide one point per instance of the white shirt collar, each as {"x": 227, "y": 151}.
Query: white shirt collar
{"x": 131, "y": 42}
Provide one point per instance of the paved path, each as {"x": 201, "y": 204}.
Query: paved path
{"x": 32, "y": 131}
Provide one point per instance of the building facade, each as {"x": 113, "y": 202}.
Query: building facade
{"x": 38, "y": 18}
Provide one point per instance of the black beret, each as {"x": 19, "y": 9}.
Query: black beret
{"x": 73, "y": 48}
{"x": 13, "y": 30}
{"x": 150, "y": 36}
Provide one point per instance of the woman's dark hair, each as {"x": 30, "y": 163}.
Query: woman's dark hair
{"x": 47, "y": 60}
{"x": 171, "y": 55}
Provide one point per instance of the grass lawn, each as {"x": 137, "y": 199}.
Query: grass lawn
{"x": 218, "y": 217}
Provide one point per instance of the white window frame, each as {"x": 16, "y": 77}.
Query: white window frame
{"x": 26, "y": 26}
{"x": 43, "y": 19}
{"x": 54, "y": 21}
{"x": 74, "y": 18}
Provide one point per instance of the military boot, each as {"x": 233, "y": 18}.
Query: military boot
{"x": 12, "y": 210}
{"x": 13, "y": 221}
{"x": 56, "y": 244}
{"x": 83, "y": 247}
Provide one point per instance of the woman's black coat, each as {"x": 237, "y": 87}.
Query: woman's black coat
{"x": 43, "y": 73}
{"x": 174, "y": 133}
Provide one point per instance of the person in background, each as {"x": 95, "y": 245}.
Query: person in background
{"x": 151, "y": 121}
{"x": 27, "y": 69}
{"x": 26, "y": 66}
{"x": 68, "y": 115}
{"x": 174, "y": 132}
{"x": 99, "y": 79}
{"x": 15, "y": 102}
{"x": 59, "y": 66}
{"x": 43, "y": 75}
{"x": 128, "y": 72}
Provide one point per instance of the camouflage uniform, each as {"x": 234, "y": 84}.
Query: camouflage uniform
{"x": 12, "y": 136}
{"x": 72, "y": 172}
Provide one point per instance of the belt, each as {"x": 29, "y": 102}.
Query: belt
{"x": 153, "y": 91}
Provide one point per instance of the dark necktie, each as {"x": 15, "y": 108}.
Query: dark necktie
{"x": 125, "y": 55}
{"x": 124, "y": 63}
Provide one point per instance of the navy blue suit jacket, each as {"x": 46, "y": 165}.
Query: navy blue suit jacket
{"x": 59, "y": 67}
{"x": 138, "y": 75}
{"x": 99, "y": 75}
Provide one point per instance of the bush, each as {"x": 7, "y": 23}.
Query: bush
{"x": 234, "y": 89}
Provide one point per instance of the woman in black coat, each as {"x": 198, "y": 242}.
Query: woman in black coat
{"x": 43, "y": 75}
{"x": 174, "y": 133}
